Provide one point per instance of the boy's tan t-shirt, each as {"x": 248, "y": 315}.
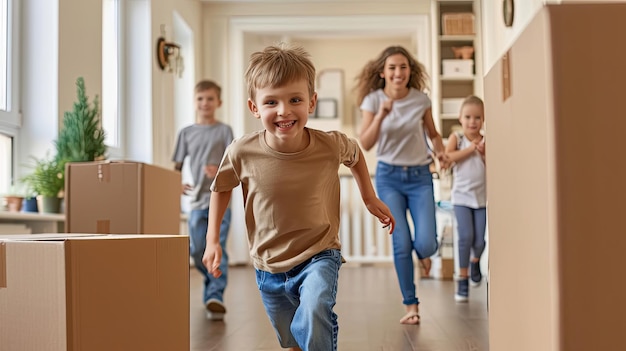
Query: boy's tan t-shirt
{"x": 291, "y": 200}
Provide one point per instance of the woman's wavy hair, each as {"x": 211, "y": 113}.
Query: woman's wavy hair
{"x": 369, "y": 79}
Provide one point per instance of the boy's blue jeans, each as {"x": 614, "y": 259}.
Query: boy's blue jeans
{"x": 299, "y": 303}
{"x": 402, "y": 188}
{"x": 198, "y": 223}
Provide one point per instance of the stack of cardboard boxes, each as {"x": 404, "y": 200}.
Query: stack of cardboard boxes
{"x": 93, "y": 290}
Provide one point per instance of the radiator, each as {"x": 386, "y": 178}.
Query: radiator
{"x": 363, "y": 240}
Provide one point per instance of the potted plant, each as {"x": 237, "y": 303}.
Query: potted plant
{"x": 13, "y": 199}
{"x": 18, "y": 197}
{"x": 47, "y": 180}
{"x": 81, "y": 137}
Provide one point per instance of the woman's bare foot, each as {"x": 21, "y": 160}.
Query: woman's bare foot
{"x": 425, "y": 265}
{"x": 412, "y": 316}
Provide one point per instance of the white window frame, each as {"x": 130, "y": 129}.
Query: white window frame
{"x": 112, "y": 97}
{"x": 10, "y": 117}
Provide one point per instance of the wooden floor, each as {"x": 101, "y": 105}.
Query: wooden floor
{"x": 368, "y": 305}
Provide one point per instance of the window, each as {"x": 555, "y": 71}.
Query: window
{"x": 6, "y": 168}
{"x": 111, "y": 42}
{"x": 4, "y": 41}
{"x": 9, "y": 88}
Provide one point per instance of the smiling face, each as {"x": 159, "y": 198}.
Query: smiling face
{"x": 207, "y": 102}
{"x": 284, "y": 112}
{"x": 472, "y": 118}
{"x": 396, "y": 72}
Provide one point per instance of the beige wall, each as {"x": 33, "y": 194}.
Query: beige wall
{"x": 163, "y": 109}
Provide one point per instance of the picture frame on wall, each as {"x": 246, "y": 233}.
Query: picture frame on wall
{"x": 326, "y": 108}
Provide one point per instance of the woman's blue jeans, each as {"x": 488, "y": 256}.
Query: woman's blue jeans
{"x": 404, "y": 188}
{"x": 299, "y": 303}
{"x": 198, "y": 222}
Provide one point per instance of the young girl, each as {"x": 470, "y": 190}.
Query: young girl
{"x": 396, "y": 115}
{"x": 469, "y": 196}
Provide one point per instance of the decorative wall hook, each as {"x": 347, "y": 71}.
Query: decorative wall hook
{"x": 169, "y": 57}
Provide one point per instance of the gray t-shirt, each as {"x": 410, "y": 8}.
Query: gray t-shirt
{"x": 205, "y": 145}
{"x": 401, "y": 141}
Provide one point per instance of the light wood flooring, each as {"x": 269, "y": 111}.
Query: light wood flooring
{"x": 369, "y": 308}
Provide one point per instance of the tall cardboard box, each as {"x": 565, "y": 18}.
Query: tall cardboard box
{"x": 121, "y": 197}
{"x": 555, "y": 182}
{"x": 99, "y": 293}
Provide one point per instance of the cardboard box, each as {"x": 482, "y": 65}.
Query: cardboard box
{"x": 98, "y": 293}
{"x": 457, "y": 68}
{"x": 121, "y": 198}
{"x": 447, "y": 269}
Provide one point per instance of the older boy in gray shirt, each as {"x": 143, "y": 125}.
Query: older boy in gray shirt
{"x": 204, "y": 144}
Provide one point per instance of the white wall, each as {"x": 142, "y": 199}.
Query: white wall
{"x": 497, "y": 38}
{"x": 62, "y": 40}
{"x": 39, "y": 74}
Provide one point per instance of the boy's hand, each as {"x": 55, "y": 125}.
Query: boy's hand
{"x": 382, "y": 212}
{"x": 212, "y": 258}
{"x": 186, "y": 188}
{"x": 210, "y": 171}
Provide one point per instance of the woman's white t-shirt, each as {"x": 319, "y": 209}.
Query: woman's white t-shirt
{"x": 401, "y": 141}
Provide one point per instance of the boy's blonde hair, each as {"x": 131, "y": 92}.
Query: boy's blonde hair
{"x": 277, "y": 65}
{"x": 205, "y": 85}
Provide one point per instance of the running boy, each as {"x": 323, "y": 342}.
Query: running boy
{"x": 469, "y": 194}
{"x": 289, "y": 176}
{"x": 204, "y": 142}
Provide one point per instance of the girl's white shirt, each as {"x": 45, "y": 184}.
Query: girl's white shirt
{"x": 469, "y": 186}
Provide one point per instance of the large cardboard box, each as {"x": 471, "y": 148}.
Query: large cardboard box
{"x": 121, "y": 198}
{"x": 97, "y": 293}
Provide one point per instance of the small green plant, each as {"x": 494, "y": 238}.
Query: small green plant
{"x": 47, "y": 179}
{"x": 81, "y": 138}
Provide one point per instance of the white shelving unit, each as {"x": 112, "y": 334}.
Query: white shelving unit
{"x": 445, "y": 87}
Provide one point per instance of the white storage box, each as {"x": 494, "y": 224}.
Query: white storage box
{"x": 451, "y": 105}
{"x": 457, "y": 68}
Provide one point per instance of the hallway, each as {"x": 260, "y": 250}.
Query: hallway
{"x": 368, "y": 306}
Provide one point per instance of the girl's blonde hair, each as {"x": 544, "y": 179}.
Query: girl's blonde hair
{"x": 369, "y": 79}
{"x": 277, "y": 65}
{"x": 472, "y": 100}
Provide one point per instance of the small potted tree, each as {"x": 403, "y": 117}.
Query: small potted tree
{"x": 81, "y": 139}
